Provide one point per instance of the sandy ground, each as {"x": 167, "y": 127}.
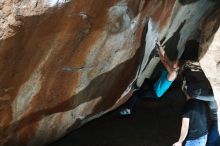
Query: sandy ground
{"x": 152, "y": 123}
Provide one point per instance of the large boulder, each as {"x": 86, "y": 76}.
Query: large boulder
{"x": 66, "y": 62}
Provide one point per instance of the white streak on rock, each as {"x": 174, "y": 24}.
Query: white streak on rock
{"x": 30, "y": 88}
{"x": 192, "y": 17}
{"x": 26, "y": 93}
{"x": 57, "y": 124}
{"x": 52, "y": 3}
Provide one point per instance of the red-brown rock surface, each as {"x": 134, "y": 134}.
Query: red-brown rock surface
{"x": 65, "y": 62}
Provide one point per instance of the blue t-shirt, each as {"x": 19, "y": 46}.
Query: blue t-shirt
{"x": 161, "y": 86}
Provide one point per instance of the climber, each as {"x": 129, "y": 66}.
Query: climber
{"x": 158, "y": 88}
{"x": 194, "y": 119}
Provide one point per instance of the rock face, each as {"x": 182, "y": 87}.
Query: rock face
{"x": 66, "y": 62}
{"x": 210, "y": 51}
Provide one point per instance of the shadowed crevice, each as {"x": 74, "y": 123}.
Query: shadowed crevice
{"x": 172, "y": 43}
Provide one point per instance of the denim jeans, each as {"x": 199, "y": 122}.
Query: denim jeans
{"x": 201, "y": 141}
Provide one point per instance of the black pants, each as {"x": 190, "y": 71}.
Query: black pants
{"x": 146, "y": 92}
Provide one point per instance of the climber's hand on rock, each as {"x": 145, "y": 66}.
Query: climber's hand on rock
{"x": 160, "y": 48}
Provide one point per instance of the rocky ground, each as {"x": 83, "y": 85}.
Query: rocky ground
{"x": 153, "y": 123}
